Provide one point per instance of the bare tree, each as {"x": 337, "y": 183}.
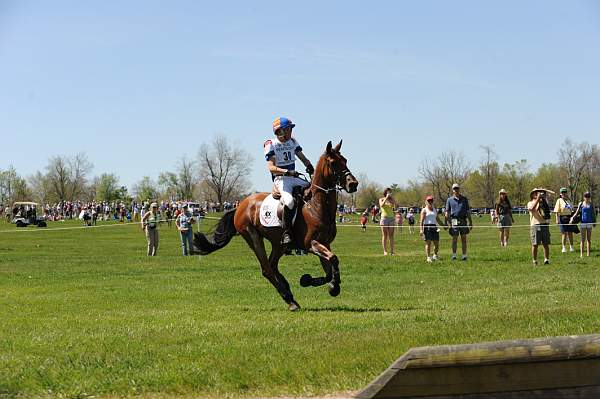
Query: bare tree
{"x": 59, "y": 177}
{"x": 225, "y": 168}
{"x": 80, "y": 167}
{"x": 186, "y": 179}
{"x": 448, "y": 168}
{"x": 489, "y": 170}
{"x": 574, "y": 159}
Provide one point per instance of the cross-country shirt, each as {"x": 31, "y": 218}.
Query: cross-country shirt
{"x": 284, "y": 153}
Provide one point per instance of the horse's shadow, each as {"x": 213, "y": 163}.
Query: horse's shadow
{"x": 355, "y": 309}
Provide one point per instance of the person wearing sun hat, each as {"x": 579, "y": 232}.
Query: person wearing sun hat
{"x": 458, "y": 217}
{"x": 564, "y": 210}
{"x": 280, "y": 154}
{"x": 503, "y": 216}
{"x": 539, "y": 220}
{"x": 586, "y": 214}
{"x": 429, "y": 223}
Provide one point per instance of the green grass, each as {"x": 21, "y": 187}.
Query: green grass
{"x": 85, "y": 312}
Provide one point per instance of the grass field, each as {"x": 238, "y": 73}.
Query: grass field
{"x": 85, "y": 313}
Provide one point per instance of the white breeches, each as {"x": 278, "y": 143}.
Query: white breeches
{"x": 285, "y": 185}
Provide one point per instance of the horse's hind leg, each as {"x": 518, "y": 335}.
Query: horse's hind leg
{"x": 256, "y": 242}
{"x": 276, "y": 253}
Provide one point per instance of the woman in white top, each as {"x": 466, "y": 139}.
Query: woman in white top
{"x": 429, "y": 228}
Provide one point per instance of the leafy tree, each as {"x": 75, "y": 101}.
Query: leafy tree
{"x": 107, "y": 187}
{"x": 145, "y": 189}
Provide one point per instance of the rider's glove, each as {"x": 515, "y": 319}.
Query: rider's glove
{"x": 310, "y": 170}
{"x": 292, "y": 173}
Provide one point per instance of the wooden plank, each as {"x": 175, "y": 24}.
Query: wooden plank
{"x": 559, "y": 364}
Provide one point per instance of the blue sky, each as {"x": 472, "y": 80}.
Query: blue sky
{"x": 138, "y": 84}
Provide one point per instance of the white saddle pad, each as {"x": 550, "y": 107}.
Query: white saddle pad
{"x": 268, "y": 212}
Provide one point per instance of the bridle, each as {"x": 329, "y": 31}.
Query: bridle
{"x": 338, "y": 176}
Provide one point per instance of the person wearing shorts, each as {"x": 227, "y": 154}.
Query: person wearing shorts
{"x": 387, "y": 221}
{"x": 503, "y": 216}
{"x": 458, "y": 220}
{"x": 587, "y": 211}
{"x": 429, "y": 223}
{"x": 539, "y": 223}
{"x": 564, "y": 210}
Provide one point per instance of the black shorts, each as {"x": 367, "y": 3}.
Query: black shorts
{"x": 431, "y": 232}
{"x": 461, "y": 228}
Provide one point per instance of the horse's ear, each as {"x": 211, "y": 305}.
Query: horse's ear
{"x": 337, "y": 147}
{"x": 328, "y": 148}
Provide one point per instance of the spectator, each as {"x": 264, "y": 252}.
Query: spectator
{"x": 503, "y": 216}
{"x": 539, "y": 220}
{"x": 410, "y": 216}
{"x": 363, "y": 220}
{"x": 399, "y": 220}
{"x": 586, "y": 213}
{"x": 429, "y": 228}
{"x": 459, "y": 216}
{"x": 150, "y": 222}
{"x": 387, "y": 205}
{"x": 184, "y": 223}
{"x": 564, "y": 210}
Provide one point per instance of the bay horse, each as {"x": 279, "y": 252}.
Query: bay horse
{"x": 313, "y": 230}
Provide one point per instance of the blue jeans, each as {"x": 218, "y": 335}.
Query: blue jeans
{"x": 186, "y": 241}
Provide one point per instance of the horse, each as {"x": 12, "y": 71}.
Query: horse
{"x": 313, "y": 231}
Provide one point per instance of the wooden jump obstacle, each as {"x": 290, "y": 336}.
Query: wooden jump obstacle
{"x": 559, "y": 367}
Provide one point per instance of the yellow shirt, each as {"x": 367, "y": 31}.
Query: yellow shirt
{"x": 563, "y": 208}
{"x": 387, "y": 211}
{"x": 535, "y": 217}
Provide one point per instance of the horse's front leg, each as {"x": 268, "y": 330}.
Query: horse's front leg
{"x": 330, "y": 264}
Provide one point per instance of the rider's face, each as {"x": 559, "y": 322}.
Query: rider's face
{"x": 284, "y": 134}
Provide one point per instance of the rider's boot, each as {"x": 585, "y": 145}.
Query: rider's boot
{"x": 286, "y": 225}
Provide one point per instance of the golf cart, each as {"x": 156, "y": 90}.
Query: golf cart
{"x": 25, "y": 214}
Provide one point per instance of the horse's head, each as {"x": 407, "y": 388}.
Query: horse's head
{"x": 336, "y": 168}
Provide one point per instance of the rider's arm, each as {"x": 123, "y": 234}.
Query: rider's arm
{"x": 303, "y": 158}
{"x": 274, "y": 169}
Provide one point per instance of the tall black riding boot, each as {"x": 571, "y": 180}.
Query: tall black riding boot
{"x": 286, "y": 225}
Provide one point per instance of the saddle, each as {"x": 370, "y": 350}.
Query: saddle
{"x": 271, "y": 210}
{"x": 298, "y": 194}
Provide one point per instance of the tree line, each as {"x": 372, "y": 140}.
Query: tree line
{"x": 577, "y": 168}
{"x": 218, "y": 173}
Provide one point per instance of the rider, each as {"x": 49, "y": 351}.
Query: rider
{"x": 280, "y": 154}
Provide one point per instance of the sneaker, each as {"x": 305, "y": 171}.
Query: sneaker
{"x": 535, "y": 262}
{"x": 546, "y": 261}
{"x": 453, "y": 256}
{"x": 564, "y": 250}
{"x": 571, "y": 249}
{"x": 435, "y": 257}
{"x": 464, "y": 257}
{"x": 429, "y": 260}
{"x": 506, "y": 243}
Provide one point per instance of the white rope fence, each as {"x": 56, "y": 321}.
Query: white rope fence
{"x": 343, "y": 224}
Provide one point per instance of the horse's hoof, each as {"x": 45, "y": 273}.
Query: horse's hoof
{"x": 306, "y": 280}
{"x": 294, "y": 306}
{"x": 334, "y": 289}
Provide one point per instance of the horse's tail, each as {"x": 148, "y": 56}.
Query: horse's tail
{"x": 222, "y": 234}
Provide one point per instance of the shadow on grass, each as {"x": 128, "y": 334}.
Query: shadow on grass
{"x": 355, "y": 310}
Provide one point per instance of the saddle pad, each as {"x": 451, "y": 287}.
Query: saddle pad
{"x": 268, "y": 212}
